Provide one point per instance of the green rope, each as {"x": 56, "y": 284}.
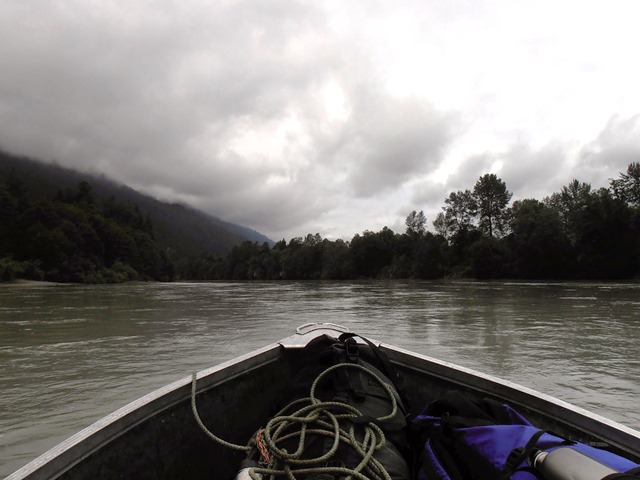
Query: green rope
{"x": 388, "y": 389}
{"x": 219, "y": 440}
{"x": 318, "y": 418}
{"x": 286, "y": 471}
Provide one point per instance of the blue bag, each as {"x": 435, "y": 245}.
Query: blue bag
{"x": 486, "y": 440}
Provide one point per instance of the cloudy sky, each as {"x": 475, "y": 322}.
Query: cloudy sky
{"x": 295, "y": 117}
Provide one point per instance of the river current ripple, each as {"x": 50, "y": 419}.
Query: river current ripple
{"x": 72, "y": 354}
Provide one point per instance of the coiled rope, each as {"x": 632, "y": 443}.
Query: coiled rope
{"x": 310, "y": 415}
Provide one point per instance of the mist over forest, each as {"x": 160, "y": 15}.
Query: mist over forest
{"x": 62, "y": 225}
{"x": 109, "y": 233}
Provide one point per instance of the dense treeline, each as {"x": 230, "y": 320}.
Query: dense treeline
{"x": 179, "y": 230}
{"x": 577, "y": 233}
{"x": 72, "y": 238}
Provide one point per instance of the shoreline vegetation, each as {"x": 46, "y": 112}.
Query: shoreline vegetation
{"x": 73, "y": 238}
{"x": 21, "y": 282}
{"x": 578, "y": 233}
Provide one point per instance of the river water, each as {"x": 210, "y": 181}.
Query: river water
{"x": 71, "y": 354}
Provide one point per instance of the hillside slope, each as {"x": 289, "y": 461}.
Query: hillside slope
{"x": 182, "y": 230}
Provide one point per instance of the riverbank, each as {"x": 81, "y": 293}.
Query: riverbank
{"x": 29, "y": 283}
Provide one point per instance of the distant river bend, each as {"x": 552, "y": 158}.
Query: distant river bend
{"x": 71, "y": 354}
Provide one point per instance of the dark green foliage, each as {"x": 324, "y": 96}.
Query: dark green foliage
{"x": 458, "y": 214}
{"x": 11, "y": 269}
{"x": 569, "y": 202}
{"x": 416, "y": 223}
{"x": 71, "y": 239}
{"x": 382, "y": 254}
{"x": 489, "y": 258}
{"x": 627, "y": 186}
{"x": 576, "y": 233}
{"x": 302, "y": 259}
{"x": 540, "y": 248}
{"x": 491, "y": 198}
{"x": 78, "y": 235}
{"x": 601, "y": 229}
{"x": 180, "y": 231}
{"x": 337, "y": 261}
{"x": 428, "y": 257}
{"x": 606, "y": 242}
{"x": 371, "y": 253}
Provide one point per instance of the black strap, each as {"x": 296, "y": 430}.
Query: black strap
{"x": 351, "y": 347}
{"x": 457, "y": 421}
{"x": 519, "y": 455}
{"x": 388, "y": 369}
{"x": 355, "y": 381}
{"x": 345, "y": 381}
{"x": 469, "y": 412}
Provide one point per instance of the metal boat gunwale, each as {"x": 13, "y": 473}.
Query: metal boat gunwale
{"x": 90, "y": 439}
{"x": 78, "y": 447}
{"x": 614, "y": 433}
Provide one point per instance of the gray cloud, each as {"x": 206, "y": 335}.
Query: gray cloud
{"x": 535, "y": 173}
{"x": 617, "y": 146}
{"x": 531, "y": 172}
{"x": 473, "y": 167}
{"x": 527, "y": 171}
{"x": 392, "y": 141}
{"x": 224, "y": 105}
{"x": 167, "y": 99}
{"x": 430, "y": 194}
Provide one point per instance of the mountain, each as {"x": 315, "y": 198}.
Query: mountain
{"x": 181, "y": 230}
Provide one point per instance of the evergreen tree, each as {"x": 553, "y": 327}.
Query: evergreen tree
{"x": 539, "y": 246}
{"x": 457, "y": 215}
{"x": 627, "y": 187}
{"x": 416, "y": 223}
{"x": 492, "y": 197}
{"x": 570, "y": 202}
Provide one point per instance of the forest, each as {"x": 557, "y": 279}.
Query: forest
{"x": 576, "y": 233}
{"x": 179, "y": 230}
{"x": 73, "y": 238}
